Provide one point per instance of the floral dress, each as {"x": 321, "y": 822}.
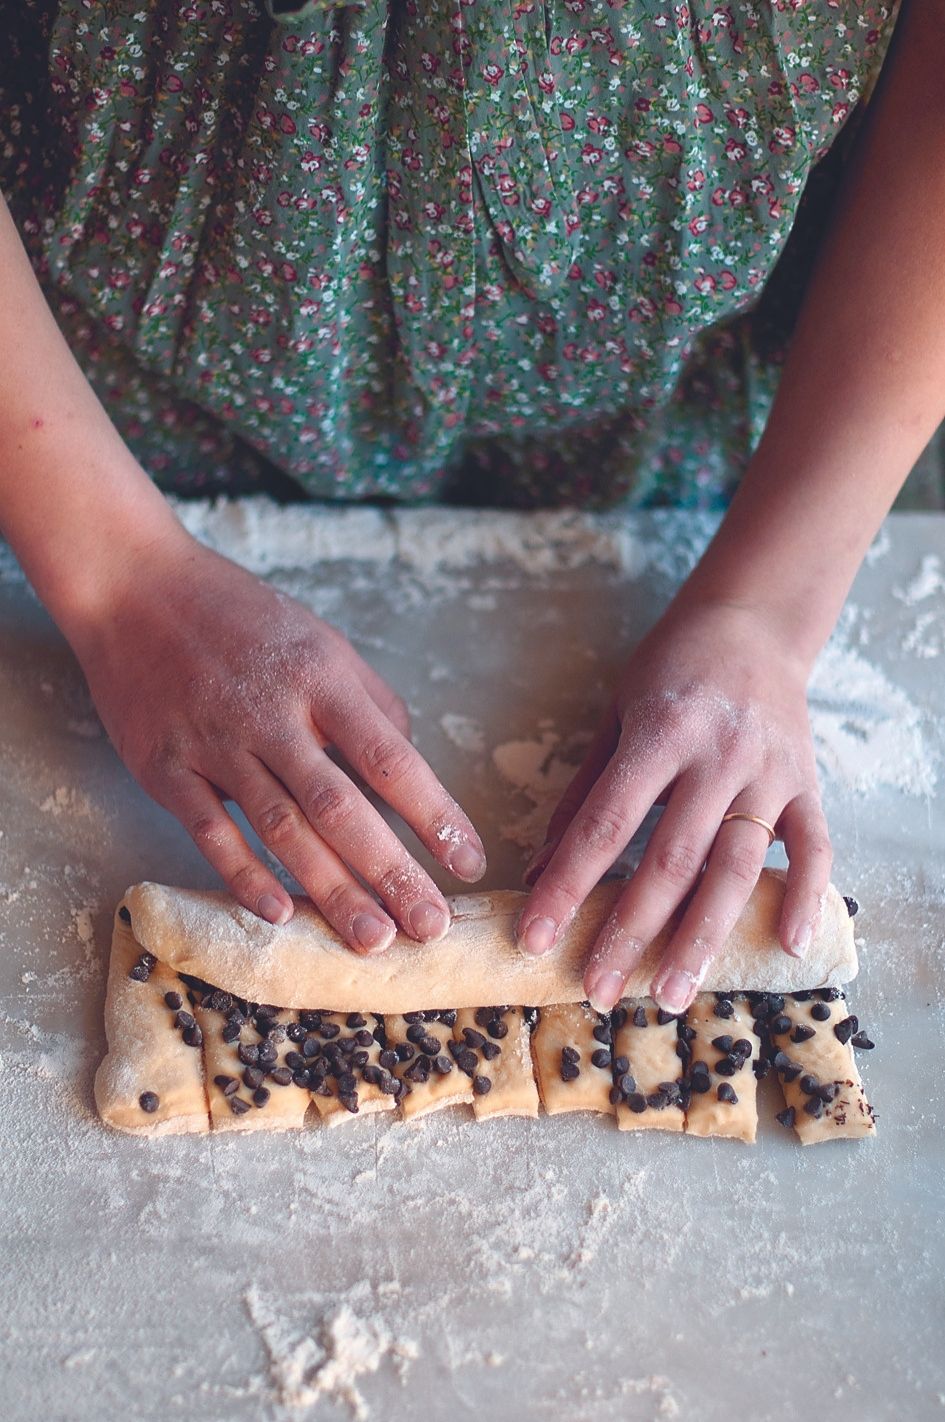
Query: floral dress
{"x": 520, "y": 252}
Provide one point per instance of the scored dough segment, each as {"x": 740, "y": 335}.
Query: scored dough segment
{"x": 648, "y": 1041}
{"x": 814, "y": 1061}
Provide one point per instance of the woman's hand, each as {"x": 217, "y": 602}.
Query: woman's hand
{"x": 214, "y": 686}
{"x": 710, "y": 715}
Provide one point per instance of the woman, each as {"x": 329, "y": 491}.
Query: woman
{"x": 467, "y": 251}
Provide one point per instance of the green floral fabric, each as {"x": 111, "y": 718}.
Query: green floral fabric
{"x": 494, "y": 250}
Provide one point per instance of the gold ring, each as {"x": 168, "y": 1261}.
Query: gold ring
{"x": 755, "y": 820}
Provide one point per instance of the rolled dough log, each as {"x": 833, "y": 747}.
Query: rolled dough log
{"x": 209, "y": 935}
{"x": 563, "y": 1051}
{"x": 728, "y": 1070}
{"x": 649, "y": 1043}
{"x": 818, "y": 1074}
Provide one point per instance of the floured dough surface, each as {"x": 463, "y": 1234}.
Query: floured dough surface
{"x": 812, "y": 1037}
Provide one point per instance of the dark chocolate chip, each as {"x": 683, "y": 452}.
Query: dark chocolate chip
{"x": 860, "y": 1039}
{"x": 723, "y": 1008}
{"x": 266, "y": 1054}
{"x": 448, "y": 1018}
{"x": 329, "y": 1030}
{"x": 416, "y": 1032}
{"x": 601, "y": 1033}
{"x": 814, "y": 1107}
{"x": 364, "y": 1038}
{"x": 786, "y": 1117}
{"x": 621, "y": 1064}
{"x": 253, "y": 1077}
{"x": 442, "y": 1064}
{"x": 482, "y": 1085}
{"x": 657, "y": 1101}
{"x": 193, "y": 1036}
{"x": 238, "y": 1106}
{"x": 406, "y": 1052}
{"x": 727, "y": 1066}
{"x": 627, "y": 1084}
{"x": 808, "y": 1084}
{"x": 302, "y": 1078}
{"x": 570, "y": 1055}
{"x": 828, "y": 1091}
{"x": 665, "y": 1018}
{"x": 220, "y": 1001}
{"x": 779, "y": 1025}
{"x": 803, "y": 1034}
{"x": 498, "y": 1029}
{"x": 184, "y": 1018}
{"x": 726, "y": 1092}
{"x": 570, "y": 1071}
{"x": 601, "y": 1058}
{"x": 388, "y": 1059}
{"x": 820, "y": 1012}
{"x": 248, "y": 1053}
{"x": 490, "y": 1050}
{"x": 350, "y": 1102}
{"x": 844, "y": 1030}
{"x": 618, "y": 1018}
{"x": 231, "y": 1032}
{"x": 636, "y": 1101}
{"x": 639, "y": 1017}
{"x": 295, "y": 1032}
{"x": 149, "y": 1101}
{"x": 281, "y": 1075}
{"x": 853, "y": 907}
{"x": 227, "y": 1084}
{"x": 722, "y": 1044}
{"x": 354, "y": 1019}
{"x": 473, "y": 1038}
{"x": 173, "y": 1000}
{"x": 125, "y": 916}
{"x": 615, "y": 1095}
{"x": 261, "y": 1095}
{"x": 139, "y": 973}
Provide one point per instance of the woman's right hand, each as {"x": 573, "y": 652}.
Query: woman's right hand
{"x": 214, "y": 686}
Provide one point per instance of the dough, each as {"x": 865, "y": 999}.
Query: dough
{"x": 822, "y": 1089}
{"x": 648, "y": 1039}
{"x": 304, "y": 961}
{"x": 436, "y": 1072}
{"x": 183, "y": 1053}
{"x": 504, "y": 1060}
{"x": 567, "y": 1045}
{"x": 727, "y": 1047}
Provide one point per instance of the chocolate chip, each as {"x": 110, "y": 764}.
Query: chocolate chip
{"x": 601, "y": 1058}
{"x": 853, "y": 907}
{"x": 761, "y": 1066}
{"x": 295, "y": 1032}
{"x": 227, "y": 1084}
{"x": 570, "y": 1055}
{"x": 282, "y": 1076}
{"x": 814, "y": 1107}
{"x": 498, "y": 1029}
{"x": 685, "y": 1032}
{"x": 248, "y": 1053}
{"x": 601, "y": 1033}
{"x": 490, "y": 1050}
{"x": 430, "y": 1046}
{"x": 780, "y": 1025}
{"x": 359, "y": 1058}
{"x": 791, "y": 1072}
{"x": 722, "y": 1044}
{"x": 618, "y": 1018}
{"x": 830, "y": 994}
{"x": 786, "y": 1117}
{"x": 139, "y": 973}
{"x": 364, "y": 1038}
{"x": 389, "y": 1084}
{"x": 311, "y": 1046}
{"x": 621, "y": 1064}
{"x": 184, "y": 1018}
{"x": 149, "y": 1101}
{"x": 700, "y": 1068}
{"x": 350, "y": 1102}
{"x": 193, "y": 1036}
{"x": 656, "y": 1101}
{"x": 699, "y": 1084}
{"x": 220, "y": 1001}
{"x": 295, "y": 1060}
{"x": 261, "y": 1095}
{"x": 723, "y": 1008}
{"x": 125, "y": 916}
{"x": 803, "y": 1034}
{"x": 442, "y": 1064}
{"x": 844, "y": 1030}
{"x": 416, "y": 1032}
{"x": 727, "y": 1066}
{"x": 329, "y": 1030}
{"x": 615, "y": 1095}
{"x": 231, "y": 1032}
{"x": 639, "y": 1017}
{"x": 266, "y": 1054}
{"x": 473, "y": 1038}
{"x": 238, "y": 1106}
{"x": 482, "y": 1085}
{"x": 405, "y": 1052}
{"x": 484, "y": 1016}
{"x": 570, "y": 1071}
{"x": 828, "y": 1091}
{"x": 741, "y": 1047}
{"x": 820, "y": 1012}
{"x": 303, "y": 1078}
{"x": 626, "y": 1084}
{"x": 775, "y": 1003}
{"x": 448, "y": 1018}
{"x": 310, "y": 1020}
{"x": 727, "y": 1093}
{"x": 466, "y": 1060}
{"x": 665, "y": 1018}
{"x": 388, "y": 1059}
{"x": 637, "y": 1102}
{"x": 173, "y": 1000}
{"x": 347, "y": 1083}
{"x": 354, "y": 1019}
{"x": 860, "y": 1039}
{"x": 253, "y": 1077}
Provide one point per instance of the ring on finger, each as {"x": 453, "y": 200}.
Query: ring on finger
{"x": 755, "y": 820}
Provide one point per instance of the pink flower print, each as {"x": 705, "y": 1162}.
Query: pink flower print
{"x": 642, "y": 106}
{"x": 173, "y": 83}
{"x": 430, "y": 62}
{"x": 567, "y": 122}
{"x": 288, "y": 272}
{"x": 737, "y": 117}
{"x": 672, "y": 307}
{"x": 413, "y": 160}
{"x": 596, "y": 310}
{"x": 260, "y": 355}
{"x": 718, "y": 197}
{"x": 808, "y": 84}
{"x": 735, "y": 150}
{"x": 604, "y": 278}
{"x": 671, "y": 145}
{"x": 839, "y": 112}
{"x": 704, "y": 114}
{"x": 840, "y": 79}
{"x": 319, "y": 131}
{"x": 737, "y": 197}
{"x": 599, "y": 123}
{"x": 696, "y": 181}
{"x": 310, "y": 162}
{"x": 433, "y": 211}
{"x": 263, "y": 217}
{"x": 492, "y": 73}
{"x": 541, "y": 206}
{"x": 705, "y": 283}
{"x": 590, "y": 154}
{"x": 574, "y": 44}
{"x": 699, "y": 224}
{"x": 287, "y": 124}
{"x": 782, "y": 140}
{"x": 727, "y": 281}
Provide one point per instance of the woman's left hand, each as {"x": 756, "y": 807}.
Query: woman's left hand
{"x": 710, "y": 715}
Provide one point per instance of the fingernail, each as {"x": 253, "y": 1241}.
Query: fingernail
{"x": 538, "y": 936}
{"x": 273, "y": 909}
{"x": 467, "y": 862}
{"x": 606, "y": 991}
{"x": 675, "y": 994}
{"x": 372, "y": 932}
{"x": 801, "y": 941}
{"x": 426, "y": 921}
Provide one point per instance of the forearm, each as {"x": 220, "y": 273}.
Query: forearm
{"x": 863, "y": 387}
{"x": 74, "y": 503}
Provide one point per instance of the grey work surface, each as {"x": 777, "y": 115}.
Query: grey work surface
{"x": 513, "y": 1269}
